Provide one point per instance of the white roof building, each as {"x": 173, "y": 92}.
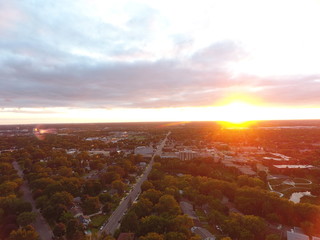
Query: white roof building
{"x": 293, "y": 166}
{"x": 94, "y": 152}
{"x": 144, "y": 151}
{"x": 187, "y": 155}
{"x": 296, "y": 234}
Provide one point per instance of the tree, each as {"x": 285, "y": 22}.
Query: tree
{"x": 8, "y": 188}
{"x": 146, "y": 185}
{"x": 109, "y": 177}
{"x": 64, "y": 198}
{"x": 244, "y": 180}
{"x": 41, "y": 183}
{"x": 216, "y": 217}
{"x": 65, "y": 217}
{"x": 255, "y": 225}
{"x": 118, "y": 185}
{"x": 107, "y": 238}
{"x": 42, "y": 202}
{"x": 6, "y": 229}
{"x": 90, "y": 204}
{"x": 65, "y": 171}
{"x": 1, "y": 214}
{"x": 92, "y": 187}
{"x": 130, "y": 222}
{"x": 105, "y": 197}
{"x": 308, "y": 227}
{"x": 26, "y": 218}
{"x": 53, "y": 188}
{"x": 181, "y": 224}
{"x": 59, "y": 230}
{"x": 244, "y": 227}
{"x": 168, "y": 205}
{"x": 74, "y": 230}
{"x": 153, "y": 223}
{"x": 72, "y": 185}
{"x": 54, "y": 212}
{"x": 107, "y": 208}
{"x": 152, "y": 194}
{"x": 175, "y": 236}
{"x": 152, "y": 236}
{"x": 143, "y": 207}
{"x": 273, "y": 237}
{"x": 25, "y": 233}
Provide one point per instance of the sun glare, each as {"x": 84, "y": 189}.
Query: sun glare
{"x": 237, "y": 112}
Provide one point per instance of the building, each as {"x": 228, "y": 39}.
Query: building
{"x": 187, "y": 209}
{"x": 142, "y": 164}
{"x": 85, "y": 220}
{"x": 99, "y": 152}
{"x": 187, "y": 155}
{"x": 145, "y": 151}
{"x": 169, "y": 155}
{"x": 293, "y": 166}
{"x": 296, "y": 234}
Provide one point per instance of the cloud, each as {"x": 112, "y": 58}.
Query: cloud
{"x": 60, "y": 56}
{"x": 10, "y": 16}
{"x": 200, "y": 80}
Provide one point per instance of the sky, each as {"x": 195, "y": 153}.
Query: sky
{"x": 150, "y": 60}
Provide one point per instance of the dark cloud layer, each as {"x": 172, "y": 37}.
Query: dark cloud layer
{"x": 46, "y": 62}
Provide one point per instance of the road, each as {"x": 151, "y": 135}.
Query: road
{"x": 116, "y": 216}
{"x": 40, "y": 223}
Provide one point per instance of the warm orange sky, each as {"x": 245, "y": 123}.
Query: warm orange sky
{"x": 150, "y": 60}
{"x": 235, "y": 112}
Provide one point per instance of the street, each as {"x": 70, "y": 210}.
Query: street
{"x": 40, "y": 224}
{"x": 116, "y": 216}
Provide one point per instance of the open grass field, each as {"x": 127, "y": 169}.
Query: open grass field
{"x": 98, "y": 220}
{"x": 288, "y": 185}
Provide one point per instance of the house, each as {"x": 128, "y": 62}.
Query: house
{"x": 187, "y": 209}
{"x": 142, "y": 164}
{"x": 99, "y": 152}
{"x": 84, "y": 220}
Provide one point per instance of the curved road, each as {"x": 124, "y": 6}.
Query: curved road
{"x": 40, "y": 223}
{"x": 116, "y": 216}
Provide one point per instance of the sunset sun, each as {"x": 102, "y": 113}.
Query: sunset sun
{"x": 238, "y": 112}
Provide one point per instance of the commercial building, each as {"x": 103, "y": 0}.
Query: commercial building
{"x": 98, "y": 152}
{"x": 187, "y": 155}
{"x": 145, "y": 151}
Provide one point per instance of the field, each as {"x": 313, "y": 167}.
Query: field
{"x": 286, "y": 185}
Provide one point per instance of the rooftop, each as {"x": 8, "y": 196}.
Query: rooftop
{"x": 293, "y": 166}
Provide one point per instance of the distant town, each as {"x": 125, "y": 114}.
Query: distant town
{"x": 160, "y": 181}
